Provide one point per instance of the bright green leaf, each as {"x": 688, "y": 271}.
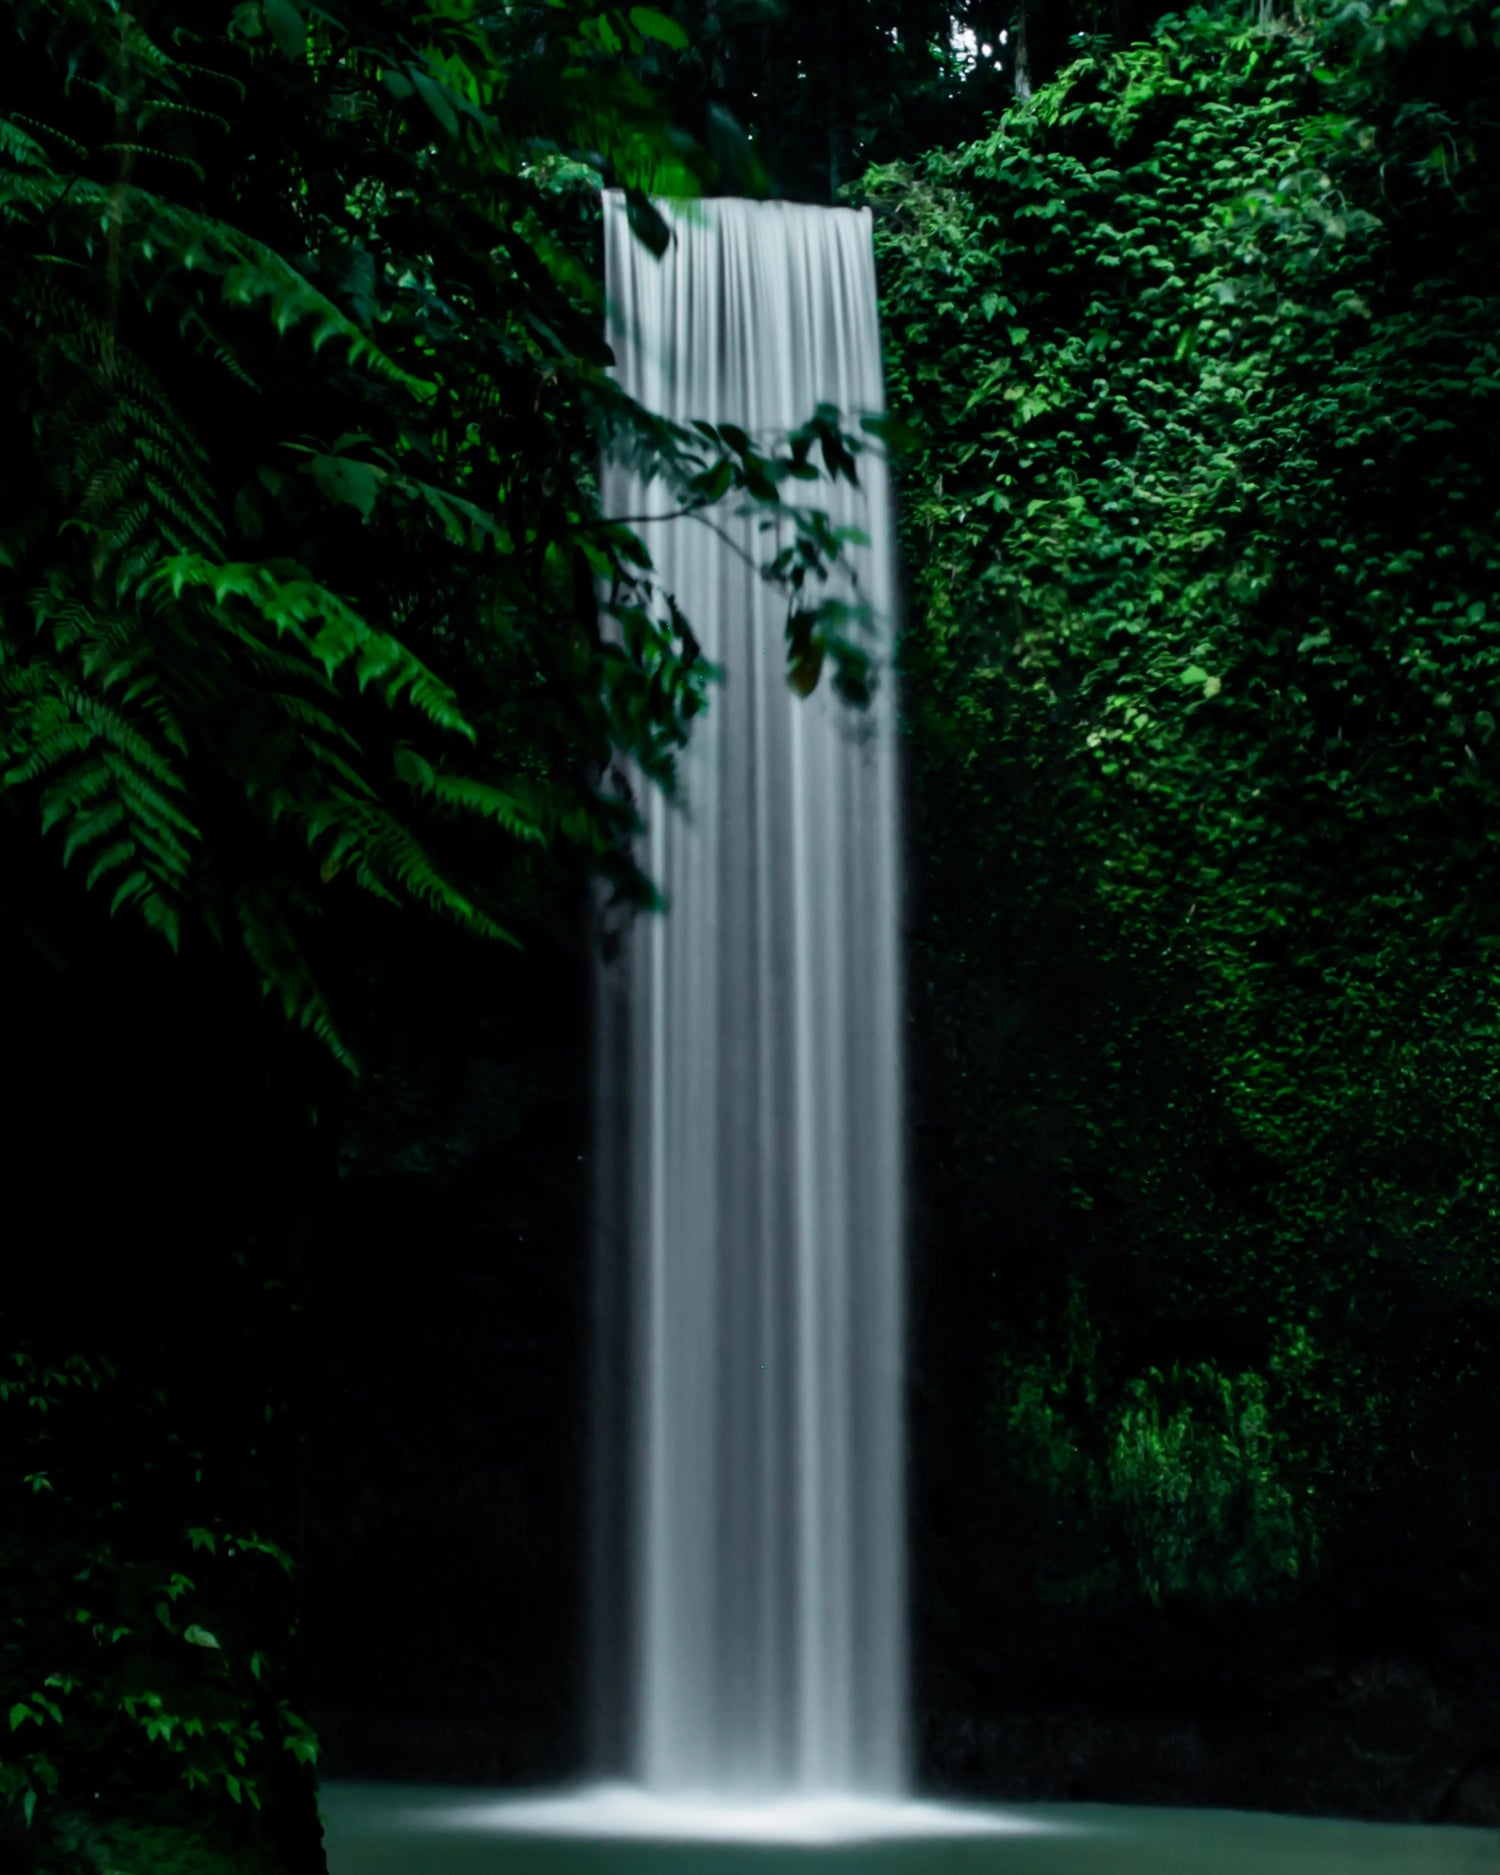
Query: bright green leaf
{"x": 656, "y": 25}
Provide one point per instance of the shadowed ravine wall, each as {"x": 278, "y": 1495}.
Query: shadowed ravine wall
{"x": 446, "y": 1517}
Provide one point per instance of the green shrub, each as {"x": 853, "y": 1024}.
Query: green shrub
{"x": 1200, "y": 683}
{"x": 1185, "y": 1482}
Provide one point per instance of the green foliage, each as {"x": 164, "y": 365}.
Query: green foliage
{"x": 142, "y": 1649}
{"x": 1201, "y": 679}
{"x": 308, "y": 615}
{"x": 301, "y": 563}
{"x": 1188, "y": 1483}
{"x": 823, "y": 91}
{"x": 77, "y": 1845}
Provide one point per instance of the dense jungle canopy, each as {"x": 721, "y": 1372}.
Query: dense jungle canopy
{"x": 322, "y": 674}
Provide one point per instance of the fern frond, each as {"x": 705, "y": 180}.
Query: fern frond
{"x": 174, "y": 108}
{"x": 151, "y": 152}
{"x": 116, "y": 655}
{"x": 138, "y": 48}
{"x": 271, "y": 660}
{"x": 152, "y": 807}
{"x": 169, "y": 236}
{"x": 160, "y": 914}
{"x": 139, "y": 474}
{"x": 330, "y": 763}
{"x": 284, "y": 970}
{"x": 396, "y": 857}
{"x": 34, "y": 127}
{"x": 81, "y": 785}
{"x": 20, "y": 147}
{"x": 109, "y": 478}
{"x": 389, "y": 855}
{"x": 135, "y": 886}
{"x": 91, "y": 827}
{"x": 476, "y": 797}
{"x": 119, "y": 854}
{"x": 126, "y": 529}
{"x": 190, "y": 531}
{"x": 295, "y": 604}
{"x": 192, "y": 325}
{"x": 301, "y": 710}
{"x": 72, "y": 622}
{"x": 373, "y": 884}
{"x": 113, "y": 796}
{"x": 56, "y": 746}
{"x": 118, "y": 732}
{"x": 25, "y": 683}
{"x": 170, "y": 856}
{"x": 144, "y": 691}
{"x": 170, "y": 708}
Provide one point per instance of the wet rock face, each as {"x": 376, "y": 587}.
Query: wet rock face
{"x": 1474, "y": 1796}
{"x": 1078, "y": 1757}
{"x": 1278, "y": 1716}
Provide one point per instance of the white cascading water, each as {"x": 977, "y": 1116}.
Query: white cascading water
{"x": 750, "y": 1595}
{"x": 750, "y": 1081}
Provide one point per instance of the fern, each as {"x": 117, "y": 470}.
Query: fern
{"x": 505, "y": 809}
{"x": 85, "y": 829}
{"x": 284, "y": 971}
{"x": 388, "y": 859}
{"x": 329, "y": 629}
{"x": 20, "y": 147}
{"x": 228, "y": 703}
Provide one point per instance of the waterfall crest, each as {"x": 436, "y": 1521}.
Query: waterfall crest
{"x": 751, "y": 1185}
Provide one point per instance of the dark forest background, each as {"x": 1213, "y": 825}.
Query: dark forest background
{"x": 310, "y": 750}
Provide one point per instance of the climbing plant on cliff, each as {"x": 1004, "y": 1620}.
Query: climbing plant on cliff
{"x": 1203, "y": 678}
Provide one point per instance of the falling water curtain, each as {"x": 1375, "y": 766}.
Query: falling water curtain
{"x": 751, "y": 1188}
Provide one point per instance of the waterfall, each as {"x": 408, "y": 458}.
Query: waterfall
{"x": 753, "y": 1606}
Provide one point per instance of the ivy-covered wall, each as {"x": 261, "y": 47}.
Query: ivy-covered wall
{"x": 1201, "y": 690}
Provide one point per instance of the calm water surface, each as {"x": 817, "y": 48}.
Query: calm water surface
{"x": 391, "y": 1829}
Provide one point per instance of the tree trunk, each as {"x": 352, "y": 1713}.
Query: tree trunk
{"x": 1023, "y": 61}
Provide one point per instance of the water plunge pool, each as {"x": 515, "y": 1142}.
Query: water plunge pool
{"x": 395, "y": 1829}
